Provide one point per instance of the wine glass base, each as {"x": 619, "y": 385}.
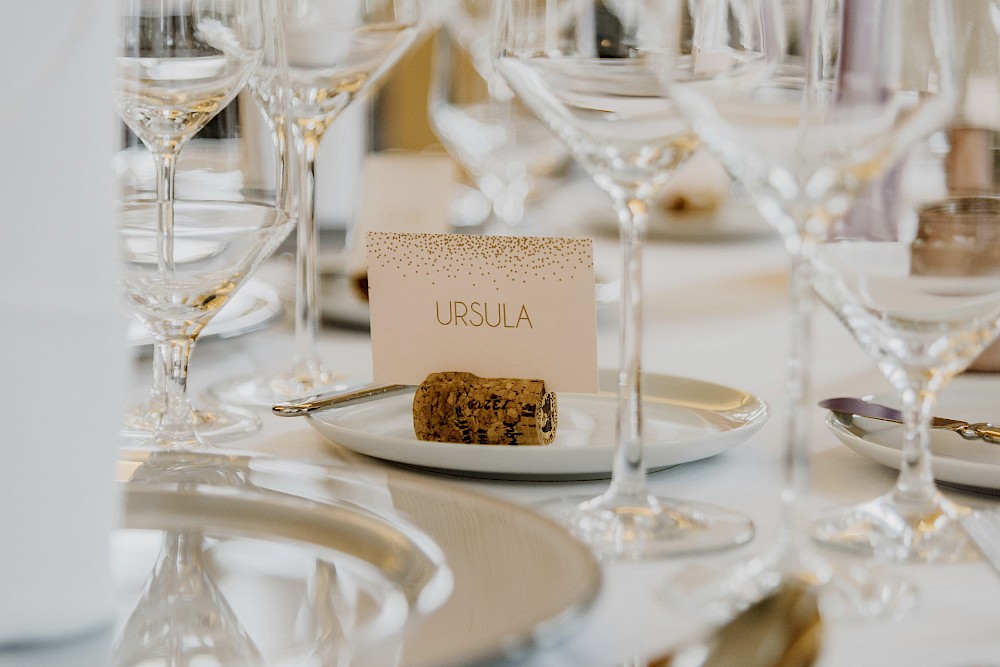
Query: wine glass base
{"x": 845, "y": 590}
{"x": 217, "y": 424}
{"x": 894, "y": 529}
{"x": 650, "y": 528}
{"x": 264, "y": 392}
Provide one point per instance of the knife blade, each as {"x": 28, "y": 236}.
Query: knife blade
{"x": 337, "y": 399}
{"x": 846, "y": 407}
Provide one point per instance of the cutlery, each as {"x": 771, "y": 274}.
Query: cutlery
{"x": 783, "y": 629}
{"x": 337, "y": 399}
{"x": 847, "y": 407}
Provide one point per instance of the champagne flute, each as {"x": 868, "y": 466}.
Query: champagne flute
{"x": 586, "y": 69}
{"x": 503, "y": 147}
{"x": 185, "y": 250}
{"x": 337, "y": 51}
{"x": 917, "y": 282}
{"x": 807, "y": 103}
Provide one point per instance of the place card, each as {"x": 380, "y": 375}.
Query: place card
{"x": 495, "y": 306}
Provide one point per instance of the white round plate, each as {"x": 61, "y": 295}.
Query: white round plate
{"x": 685, "y": 420}
{"x": 970, "y": 397}
{"x": 253, "y": 307}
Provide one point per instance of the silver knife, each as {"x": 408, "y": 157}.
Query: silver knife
{"x": 845, "y": 407}
{"x": 337, "y": 399}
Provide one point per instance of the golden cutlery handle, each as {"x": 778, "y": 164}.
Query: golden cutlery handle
{"x": 981, "y": 430}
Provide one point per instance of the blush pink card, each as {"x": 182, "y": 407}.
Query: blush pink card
{"x": 496, "y": 306}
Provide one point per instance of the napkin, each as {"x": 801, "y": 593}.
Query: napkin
{"x": 62, "y": 336}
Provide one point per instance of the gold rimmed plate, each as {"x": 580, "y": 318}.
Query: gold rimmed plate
{"x": 298, "y": 558}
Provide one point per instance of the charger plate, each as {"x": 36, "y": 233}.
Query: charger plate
{"x": 296, "y": 557}
{"x": 685, "y": 420}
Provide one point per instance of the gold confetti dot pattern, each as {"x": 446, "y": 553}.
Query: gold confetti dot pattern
{"x": 509, "y": 259}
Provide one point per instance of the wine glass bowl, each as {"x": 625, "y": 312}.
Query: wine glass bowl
{"x": 182, "y": 62}
{"x": 588, "y": 70}
{"x": 612, "y": 116}
{"x": 217, "y": 244}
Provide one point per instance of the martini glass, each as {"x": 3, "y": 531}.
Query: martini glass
{"x": 588, "y": 71}
{"x": 807, "y": 103}
{"x": 917, "y": 282}
{"x": 337, "y": 51}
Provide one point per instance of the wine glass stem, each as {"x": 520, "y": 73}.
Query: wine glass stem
{"x": 157, "y": 391}
{"x": 915, "y": 482}
{"x": 176, "y": 428}
{"x": 166, "y": 163}
{"x": 306, "y": 314}
{"x": 796, "y": 450}
{"x": 628, "y": 475}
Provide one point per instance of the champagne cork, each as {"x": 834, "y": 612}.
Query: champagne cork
{"x": 464, "y": 408}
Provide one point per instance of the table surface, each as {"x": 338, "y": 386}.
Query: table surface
{"x": 715, "y": 310}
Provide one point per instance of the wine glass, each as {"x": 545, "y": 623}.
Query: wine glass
{"x": 219, "y": 207}
{"x": 337, "y": 51}
{"x": 916, "y": 280}
{"x": 218, "y": 422}
{"x": 503, "y": 147}
{"x": 806, "y": 104}
{"x": 182, "y": 616}
{"x": 179, "y": 66}
{"x": 586, "y": 69}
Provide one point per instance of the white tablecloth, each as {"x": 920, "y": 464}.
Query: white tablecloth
{"x": 715, "y": 311}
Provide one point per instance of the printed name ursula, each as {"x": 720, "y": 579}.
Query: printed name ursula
{"x": 481, "y": 313}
